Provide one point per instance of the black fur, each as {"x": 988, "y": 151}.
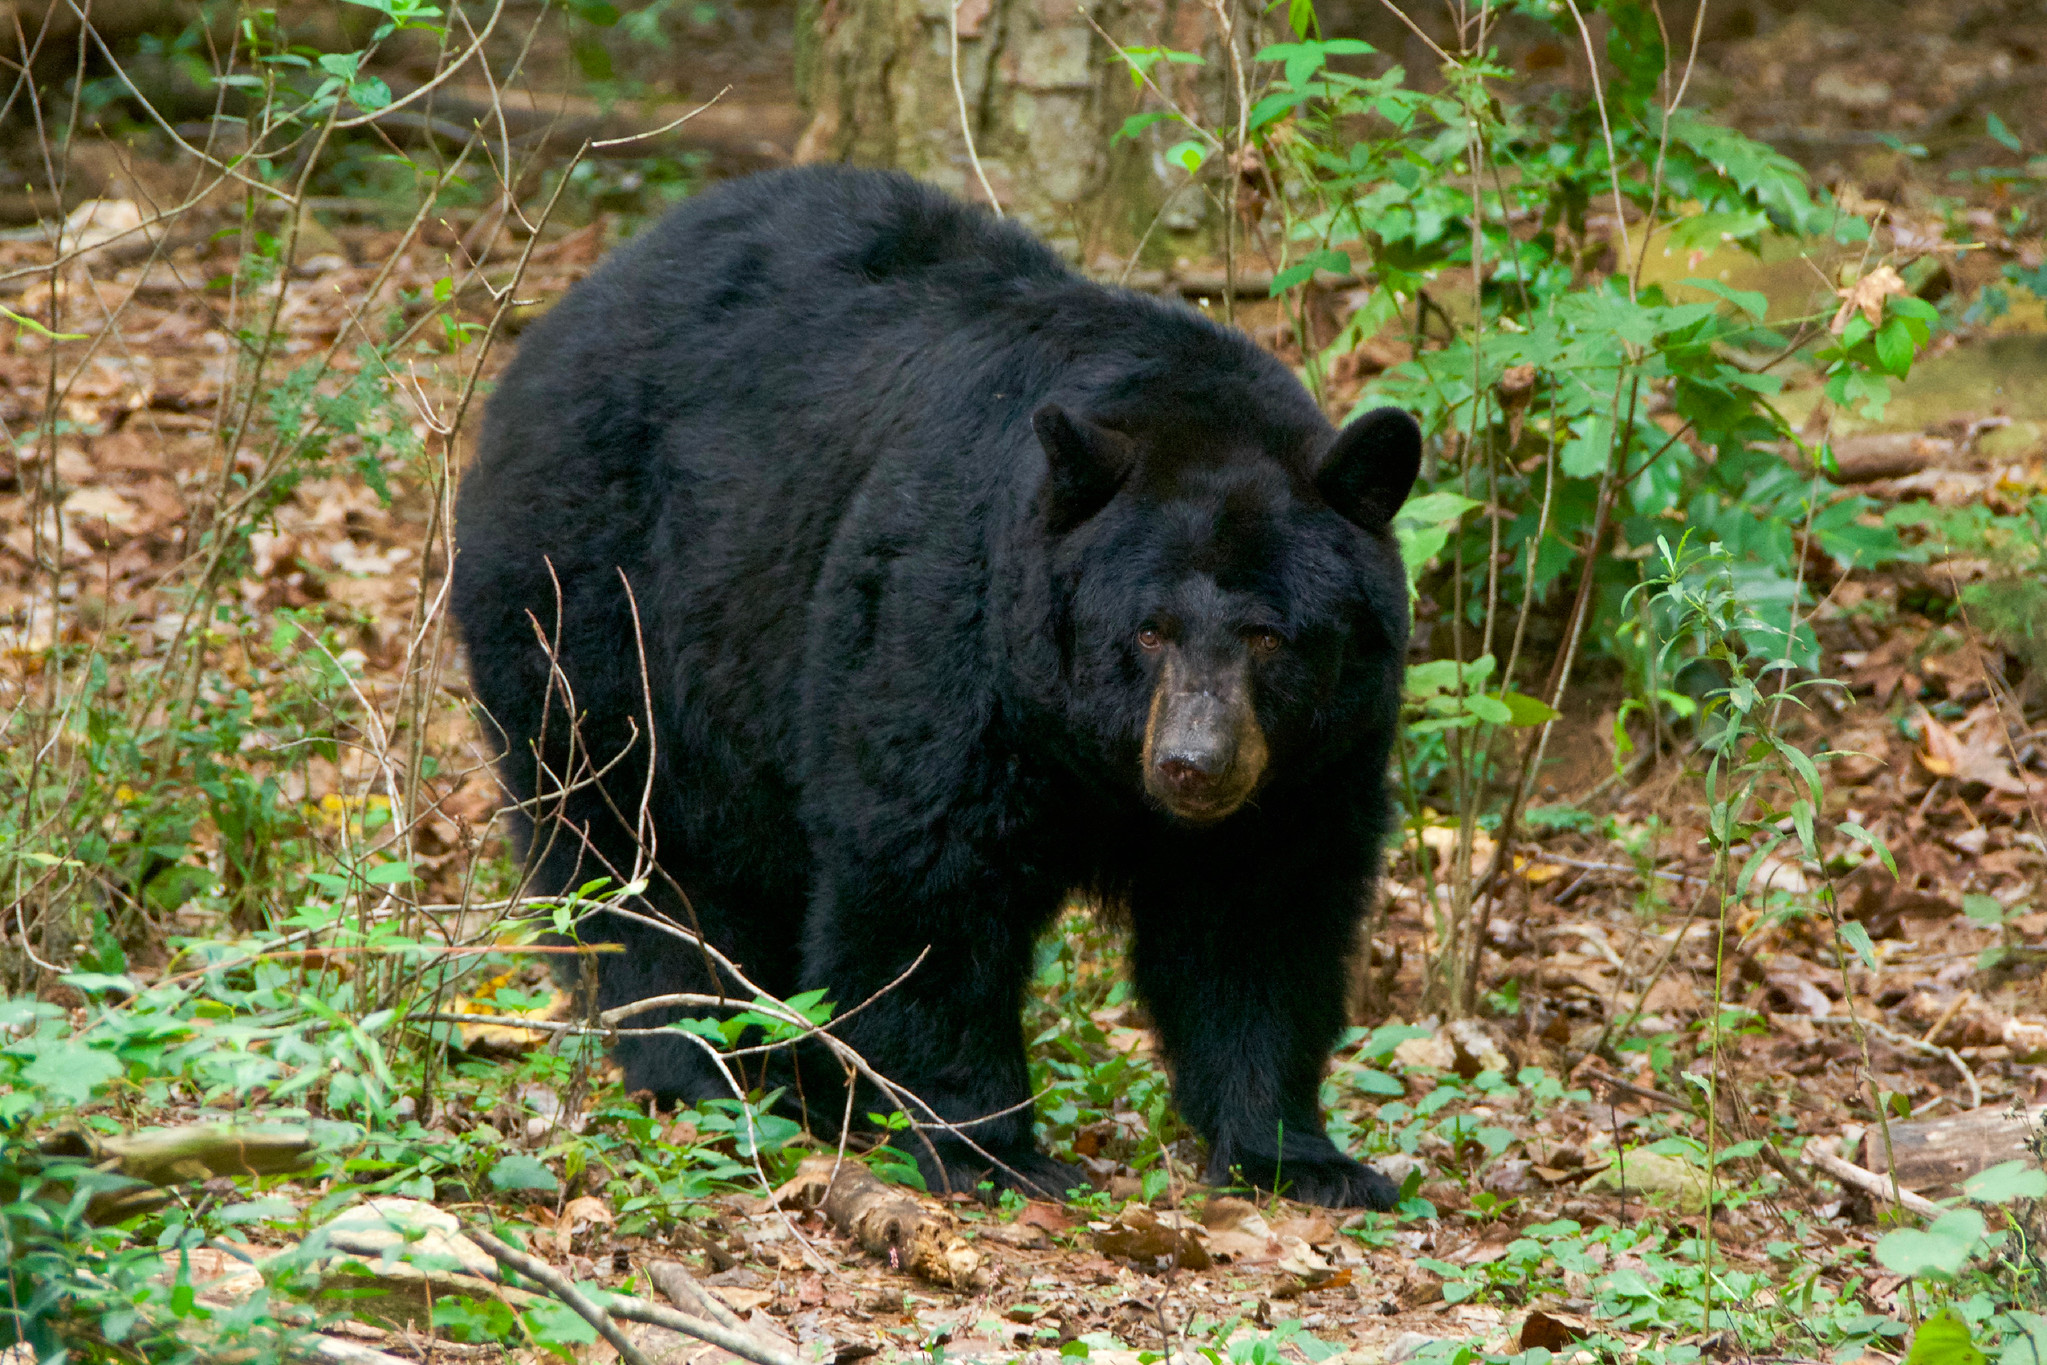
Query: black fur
{"x": 898, "y": 691}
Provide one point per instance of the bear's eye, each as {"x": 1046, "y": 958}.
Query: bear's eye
{"x": 1150, "y": 638}
{"x": 1264, "y": 643}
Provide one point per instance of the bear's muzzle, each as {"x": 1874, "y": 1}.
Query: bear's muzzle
{"x": 1203, "y": 749}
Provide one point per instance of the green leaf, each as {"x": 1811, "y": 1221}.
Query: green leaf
{"x": 1303, "y": 60}
{"x": 1754, "y": 302}
{"x": 521, "y": 1172}
{"x": 557, "y": 1326}
{"x": 1801, "y": 820}
{"x": 1525, "y": 710}
{"x": 1875, "y": 845}
{"x": 1370, "y": 1082}
{"x": 1894, "y": 347}
{"x": 1188, "y": 155}
{"x": 1273, "y": 108}
{"x": 1335, "y": 262}
{"x": 1857, "y": 938}
{"x": 92, "y": 982}
{"x": 1137, "y": 123}
{"x": 1755, "y": 863}
{"x": 1917, "y": 309}
{"x": 388, "y": 874}
{"x": 1802, "y": 763}
{"x": 1740, "y": 1151}
{"x": 2027, "y": 1346}
{"x": 1379, "y": 1046}
{"x": 1431, "y": 679}
{"x": 1942, "y": 1339}
{"x": 68, "y": 1072}
{"x": 1423, "y": 526}
{"x": 1297, "y": 274}
{"x": 1987, "y": 911}
{"x": 1491, "y": 710}
{"x": 1141, "y": 60}
{"x": 1623, "y": 742}
{"x": 2005, "y": 1182}
{"x": 1995, "y": 127}
{"x": 1941, "y": 1249}
{"x": 1433, "y": 509}
{"x": 1585, "y": 454}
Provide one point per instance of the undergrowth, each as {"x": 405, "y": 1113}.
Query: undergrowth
{"x": 225, "y": 896}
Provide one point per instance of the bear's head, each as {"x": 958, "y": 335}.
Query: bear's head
{"x": 1231, "y": 606}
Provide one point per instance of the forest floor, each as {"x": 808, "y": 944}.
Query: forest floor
{"x": 1513, "y": 1123}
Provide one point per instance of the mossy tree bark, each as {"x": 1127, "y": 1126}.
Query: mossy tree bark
{"x": 1044, "y": 95}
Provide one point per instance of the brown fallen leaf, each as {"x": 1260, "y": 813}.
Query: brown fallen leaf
{"x": 1982, "y": 755}
{"x": 1313, "y": 1229}
{"x": 1238, "y": 1233}
{"x": 1050, "y": 1217}
{"x": 581, "y": 1214}
{"x": 742, "y": 1300}
{"x": 1892, "y": 666}
{"x": 1151, "y": 1240}
{"x": 1020, "y": 1235}
{"x": 1551, "y": 1331}
{"x": 1963, "y": 671}
{"x": 1338, "y": 1280}
{"x": 1867, "y": 296}
{"x": 222, "y": 1280}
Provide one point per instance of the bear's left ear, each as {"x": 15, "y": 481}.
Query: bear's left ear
{"x": 1084, "y": 465}
{"x": 1371, "y": 467}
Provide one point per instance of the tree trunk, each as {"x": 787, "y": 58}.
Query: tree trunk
{"x": 1044, "y": 95}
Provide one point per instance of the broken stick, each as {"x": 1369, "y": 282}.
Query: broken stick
{"x": 740, "y": 1343}
{"x": 1869, "y": 1182}
{"x": 545, "y": 1275}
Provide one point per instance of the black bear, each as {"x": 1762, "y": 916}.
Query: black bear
{"x": 941, "y": 584}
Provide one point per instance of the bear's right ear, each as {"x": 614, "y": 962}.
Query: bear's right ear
{"x": 1371, "y": 466}
{"x": 1084, "y": 465}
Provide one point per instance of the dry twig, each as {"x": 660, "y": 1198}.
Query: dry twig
{"x": 558, "y": 1285}
{"x": 1818, "y": 1153}
{"x": 726, "y": 1338}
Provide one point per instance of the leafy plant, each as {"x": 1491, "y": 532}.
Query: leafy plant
{"x": 1575, "y": 410}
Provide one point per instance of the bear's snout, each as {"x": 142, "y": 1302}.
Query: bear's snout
{"x": 1203, "y": 749}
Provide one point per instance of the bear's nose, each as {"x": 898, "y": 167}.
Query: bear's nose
{"x": 1191, "y": 775}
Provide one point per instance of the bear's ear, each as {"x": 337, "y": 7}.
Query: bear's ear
{"x": 1371, "y": 467}
{"x": 1084, "y": 465}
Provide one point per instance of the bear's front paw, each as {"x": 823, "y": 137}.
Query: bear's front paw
{"x": 1339, "y": 1184}
{"x": 1329, "y": 1179}
{"x": 1029, "y": 1172}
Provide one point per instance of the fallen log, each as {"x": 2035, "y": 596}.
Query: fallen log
{"x": 738, "y": 135}
{"x": 884, "y": 1220}
{"x": 1889, "y": 455}
{"x": 1934, "y": 1156}
{"x": 166, "y": 1157}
